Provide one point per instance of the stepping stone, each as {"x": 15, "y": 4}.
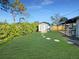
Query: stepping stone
{"x": 56, "y": 40}
{"x": 48, "y": 38}
{"x": 44, "y": 36}
{"x": 70, "y": 42}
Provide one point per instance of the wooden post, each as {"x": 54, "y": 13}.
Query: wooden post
{"x": 65, "y": 28}
{"x": 57, "y": 27}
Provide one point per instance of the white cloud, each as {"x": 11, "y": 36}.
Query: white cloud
{"x": 42, "y": 2}
{"x": 47, "y": 2}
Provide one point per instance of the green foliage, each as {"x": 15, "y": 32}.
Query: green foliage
{"x": 63, "y": 19}
{"x": 8, "y": 31}
{"x": 34, "y": 26}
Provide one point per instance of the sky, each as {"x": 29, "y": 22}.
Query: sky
{"x": 42, "y": 10}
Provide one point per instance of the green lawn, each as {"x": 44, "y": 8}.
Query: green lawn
{"x": 33, "y": 46}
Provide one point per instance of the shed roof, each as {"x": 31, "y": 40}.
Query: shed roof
{"x": 45, "y": 23}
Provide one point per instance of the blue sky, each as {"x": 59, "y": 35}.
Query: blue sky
{"x": 42, "y": 10}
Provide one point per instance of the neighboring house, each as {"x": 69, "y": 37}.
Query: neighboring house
{"x": 72, "y": 27}
{"x": 77, "y": 28}
{"x": 44, "y": 27}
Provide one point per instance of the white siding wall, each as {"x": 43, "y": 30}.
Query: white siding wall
{"x": 43, "y": 27}
{"x": 77, "y": 28}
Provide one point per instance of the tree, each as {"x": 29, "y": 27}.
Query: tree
{"x": 4, "y": 2}
{"x": 63, "y": 19}
{"x": 15, "y": 8}
{"x": 21, "y": 7}
{"x": 56, "y": 20}
{"x": 4, "y": 5}
{"x": 18, "y": 8}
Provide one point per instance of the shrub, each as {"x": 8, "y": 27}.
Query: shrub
{"x": 8, "y": 31}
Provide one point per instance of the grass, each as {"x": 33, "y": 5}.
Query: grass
{"x": 33, "y": 46}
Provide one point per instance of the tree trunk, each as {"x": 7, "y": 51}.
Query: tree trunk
{"x": 14, "y": 17}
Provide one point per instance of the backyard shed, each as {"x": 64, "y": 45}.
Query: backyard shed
{"x": 44, "y": 27}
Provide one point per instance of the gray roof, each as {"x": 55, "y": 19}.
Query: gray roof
{"x": 44, "y": 22}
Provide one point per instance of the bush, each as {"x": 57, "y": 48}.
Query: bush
{"x": 8, "y": 31}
